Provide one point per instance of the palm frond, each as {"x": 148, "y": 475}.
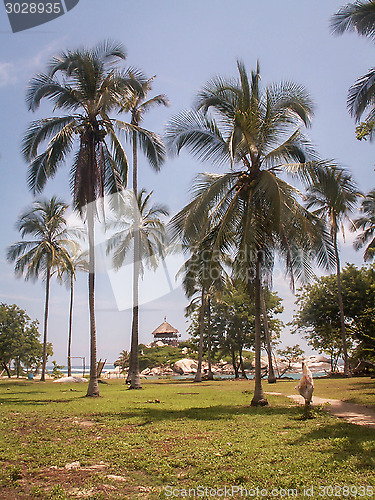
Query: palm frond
{"x": 45, "y": 165}
{"x": 358, "y": 16}
{"x": 42, "y": 130}
{"x": 361, "y": 95}
{"x": 199, "y": 134}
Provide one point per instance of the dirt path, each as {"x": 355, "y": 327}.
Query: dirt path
{"x": 353, "y": 413}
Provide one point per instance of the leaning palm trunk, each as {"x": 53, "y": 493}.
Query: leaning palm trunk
{"x": 44, "y": 362}
{"x": 271, "y": 373}
{"x": 198, "y": 375}
{"x": 93, "y": 388}
{"x": 70, "y": 325}
{"x": 341, "y": 308}
{"x": 258, "y": 398}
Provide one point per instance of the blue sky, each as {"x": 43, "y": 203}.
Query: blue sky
{"x": 184, "y": 44}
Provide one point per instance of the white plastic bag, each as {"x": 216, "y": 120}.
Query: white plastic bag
{"x": 306, "y": 384}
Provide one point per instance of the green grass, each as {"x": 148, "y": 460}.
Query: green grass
{"x": 198, "y": 435}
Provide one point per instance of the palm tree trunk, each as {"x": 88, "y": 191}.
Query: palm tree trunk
{"x": 46, "y": 305}
{"x": 133, "y": 374}
{"x": 93, "y": 387}
{"x": 198, "y": 375}
{"x": 271, "y": 373}
{"x": 70, "y": 326}
{"x": 341, "y": 308}
{"x": 135, "y": 381}
{"x": 258, "y": 398}
{"x": 210, "y": 375}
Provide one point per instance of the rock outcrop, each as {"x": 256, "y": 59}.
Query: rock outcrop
{"x": 185, "y": 366}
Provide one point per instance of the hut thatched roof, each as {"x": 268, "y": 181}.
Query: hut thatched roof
{"x": 164, "y": 328}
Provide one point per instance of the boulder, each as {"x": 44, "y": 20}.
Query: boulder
{"x": 70, "y": 380}
{"x": 185, "y": 366}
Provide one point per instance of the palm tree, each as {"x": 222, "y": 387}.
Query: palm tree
{"x": 142, "y": 228}
{"x": 366, "y": 223}
{"x": 251, "y": 209}
{"x": 87, "y": 86}
{"x": 334, "y": 197}
{"x": 137, "y": 104}
{"x": 77, "y": 262}
{"x": 359, "y": 17}
{"x": 45, "y": 253}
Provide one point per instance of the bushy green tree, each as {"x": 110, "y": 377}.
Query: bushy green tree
{"x": 19, "y": 340}
{"x": 318, "y": 315}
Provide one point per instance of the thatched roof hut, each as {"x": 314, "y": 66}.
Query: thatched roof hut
{"x": 166, "y": 333}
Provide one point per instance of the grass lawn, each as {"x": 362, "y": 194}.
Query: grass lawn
{"x": 199, "y": 435}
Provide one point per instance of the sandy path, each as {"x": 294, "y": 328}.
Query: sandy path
{"x": 353, "y": 413}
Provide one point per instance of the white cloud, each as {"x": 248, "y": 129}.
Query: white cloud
{"x": 12, "y": 72}
{"x": 7, "y": 74}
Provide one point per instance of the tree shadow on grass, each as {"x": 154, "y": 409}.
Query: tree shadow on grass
{"x": 219, "y": 412}
{"x": 342, "y": 441}
{"x": 12, "y": 401}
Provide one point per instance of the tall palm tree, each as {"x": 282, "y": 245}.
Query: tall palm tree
{"x": 77, "y": 262}
{"x": 143, "y": 228}
{"x": 137, "y": 104}
{"x": 366, "y": 223}
{"x": 251, "y": 208}
{"x": 45, "y": 253}
{"x": 334, "y": 197}
{"x": 87, "y": 86}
